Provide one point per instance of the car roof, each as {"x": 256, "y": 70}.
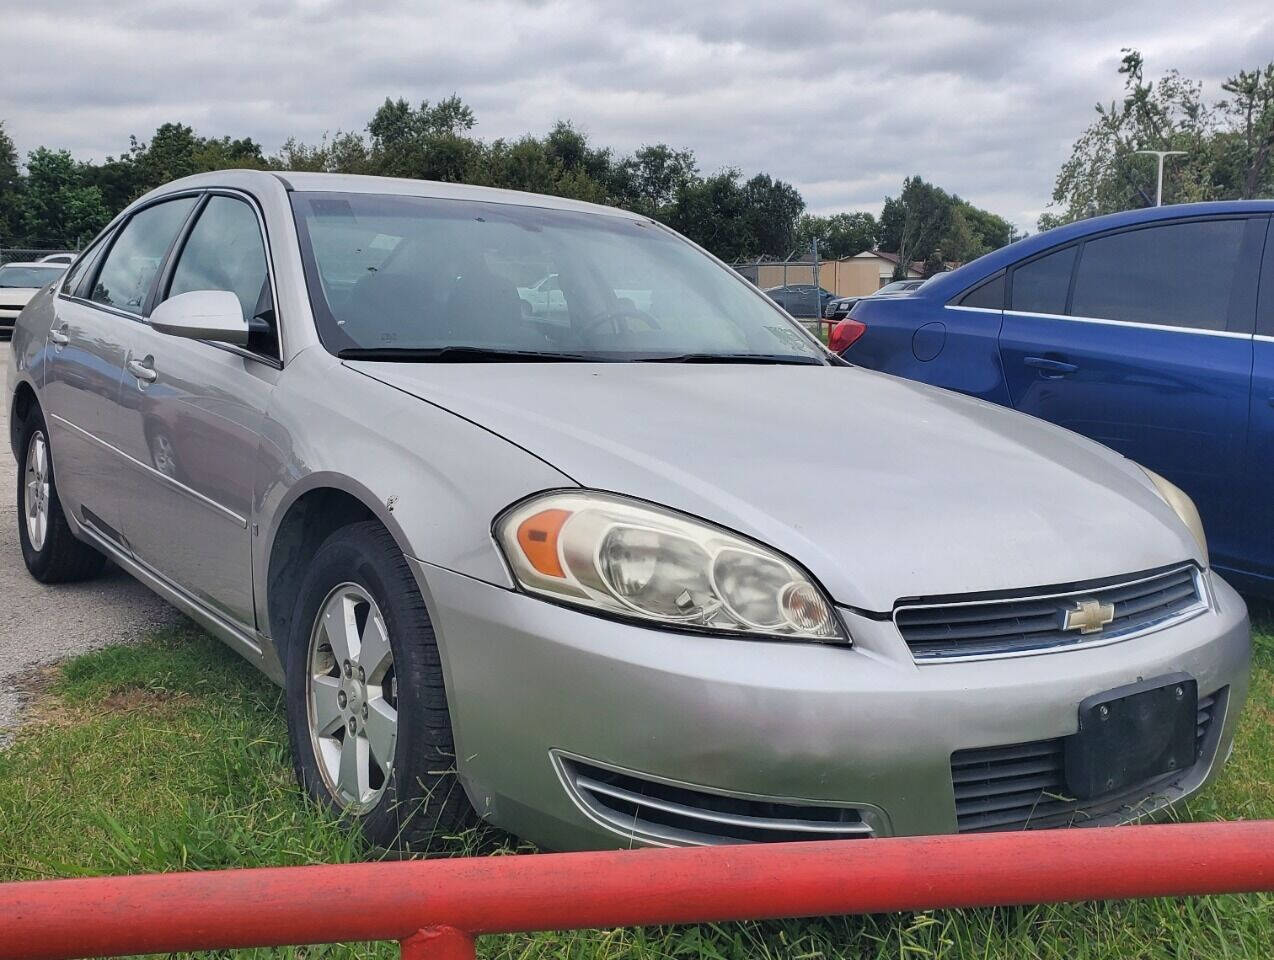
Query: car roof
{"x": 946, "y": 284}
{"x": 33, "y": 263}
{"x": 352, "y": 183}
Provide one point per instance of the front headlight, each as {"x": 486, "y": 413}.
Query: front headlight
{"x": 1180, "y": 501}
{"x": 623, "y": 557}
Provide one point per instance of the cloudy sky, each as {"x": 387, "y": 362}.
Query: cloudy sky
{"x": 840, "y": 97}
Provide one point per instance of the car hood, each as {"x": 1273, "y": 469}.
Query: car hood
{"x": 883, "y": 488}
{"x": 17, "y": 296}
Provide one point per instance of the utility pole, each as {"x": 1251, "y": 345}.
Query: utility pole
{"x": 1161, "y": 154}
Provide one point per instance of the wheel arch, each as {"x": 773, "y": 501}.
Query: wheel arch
{"x": 312, "y": 513}
{"x": 24, "y": 401}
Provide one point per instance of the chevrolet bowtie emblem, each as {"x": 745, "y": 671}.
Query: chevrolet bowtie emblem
{"x": 1089, "y": 616}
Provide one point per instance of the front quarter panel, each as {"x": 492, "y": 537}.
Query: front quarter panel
{"x": 434, "y": 479}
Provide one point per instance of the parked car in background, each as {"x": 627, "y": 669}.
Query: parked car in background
{"x": 19, "y": 282}
{"x": 1151, "y": 331}
{"x": 66, "y": 259}
{"x": 802, "y": 300}
{"x": 839, "y": 307}
{"x": 584, "y": 579}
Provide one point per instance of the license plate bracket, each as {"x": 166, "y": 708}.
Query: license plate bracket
{"x": 1131, "y": 735}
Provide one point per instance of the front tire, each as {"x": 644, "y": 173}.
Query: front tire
{"x": 49, "y": 548}
{"x": 367, "y": 708}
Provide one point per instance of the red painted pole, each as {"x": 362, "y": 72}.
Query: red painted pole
{"x": 410, "y": 901}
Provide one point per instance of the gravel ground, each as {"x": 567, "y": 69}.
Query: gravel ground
{"x": 42, "y": 624}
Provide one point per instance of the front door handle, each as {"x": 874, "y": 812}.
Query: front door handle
{"x": 59, "y": 336}
{"x": 142, "y": 369}
{"x": 1050, "y": 369}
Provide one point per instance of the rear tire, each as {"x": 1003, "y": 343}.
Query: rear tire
{"x": 362, "y": 657}
{"x": 50, "y": 550}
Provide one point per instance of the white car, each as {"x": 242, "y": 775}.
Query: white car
{"x": 19, "y": 282}
{"x": 66, "y": 259}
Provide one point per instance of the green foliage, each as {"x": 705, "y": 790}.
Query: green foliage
{"x": 9, "y": 182}
{"x": 925, "y": 223}
{"x": 732, "y": 216}
{"x": 1227, "y": 145}
{"x": 840, "y": 235}
{"x": 56, "y": 205}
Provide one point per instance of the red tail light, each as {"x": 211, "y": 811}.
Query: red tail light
{"x": 845, "y": 334}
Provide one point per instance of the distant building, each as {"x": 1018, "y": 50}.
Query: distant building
{"x": 854, "y": 276}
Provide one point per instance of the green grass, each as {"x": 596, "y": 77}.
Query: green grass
{"x": 173, "y": 755}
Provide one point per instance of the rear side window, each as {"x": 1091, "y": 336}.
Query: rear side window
{"x": 76, "y": 274}
{"x": 130, "y": 267}
{"x": 1177, "y": 275}
{"x": 989, "y": 295}
{"x": 1041, "y": 285}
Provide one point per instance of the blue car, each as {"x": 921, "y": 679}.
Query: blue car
{"x": 1151, "y": 331}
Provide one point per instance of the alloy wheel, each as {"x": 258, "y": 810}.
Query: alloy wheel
{"x": 352, "y": 698}
{"x": 37, "y": 492}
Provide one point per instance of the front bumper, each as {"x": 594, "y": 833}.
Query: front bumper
{"x": 530, "y": 683}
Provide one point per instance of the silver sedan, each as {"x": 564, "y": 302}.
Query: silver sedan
{"x": 650, "y": 567}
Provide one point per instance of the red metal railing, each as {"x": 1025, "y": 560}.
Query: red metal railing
{"x": 435, "y": 908}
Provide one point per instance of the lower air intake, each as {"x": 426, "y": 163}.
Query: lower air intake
{"x": 1021, "y": 787}
{"x": 659, "y": 812}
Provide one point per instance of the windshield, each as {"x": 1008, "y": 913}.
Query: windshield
{"x": 23, "y": 275}
{"x": 406, "y": 278}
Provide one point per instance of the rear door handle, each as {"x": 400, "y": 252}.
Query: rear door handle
{"x": 59, "y": 336}
{"x": 142, "y": 369}
{"x": 1050, "y": 369}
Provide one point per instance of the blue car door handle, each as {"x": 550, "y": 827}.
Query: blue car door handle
{"x": 1050, "y": 369}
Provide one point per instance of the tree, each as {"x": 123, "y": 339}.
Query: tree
{"x": 840, "y": 235}
{"x": 772, "y": 208}
{"x": 58, "y": 208}
{"x": 648, "y": 181}
{"x": 733, "y": 216}
{"x": 9, "y": 183}
{"x": 960, "y": 244}
{"x": 913, "y": 224}
{"x": 1227, "y": 144}
{"x": 1251, "y": 112}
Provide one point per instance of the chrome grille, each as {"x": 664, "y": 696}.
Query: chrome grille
{"x": 991, "y": 627}
{"x": 657, "y": 811}
{"x": 1021, "y": 787}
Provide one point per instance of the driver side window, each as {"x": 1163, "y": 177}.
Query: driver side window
{"x": 225, "y": 251}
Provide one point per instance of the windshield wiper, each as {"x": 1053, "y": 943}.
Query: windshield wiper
{"x": 792, "y": 359}
{"x": 462, "y": 355}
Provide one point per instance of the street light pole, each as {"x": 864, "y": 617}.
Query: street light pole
{"x": 1161, "y": 154}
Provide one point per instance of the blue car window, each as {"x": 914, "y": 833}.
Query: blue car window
{"x": 1041, "y": 285}
{"x": 1176, "y": 275}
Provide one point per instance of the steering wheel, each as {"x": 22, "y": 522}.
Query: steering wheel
{"x": 620, "y": 317}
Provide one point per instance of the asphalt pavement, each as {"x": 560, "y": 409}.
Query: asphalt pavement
{"x": 40, "y": 624}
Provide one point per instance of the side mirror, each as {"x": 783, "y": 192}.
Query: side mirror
{"x": 202, "y": 315}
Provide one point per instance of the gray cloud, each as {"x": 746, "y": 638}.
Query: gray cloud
{"x": 843, "y": 99}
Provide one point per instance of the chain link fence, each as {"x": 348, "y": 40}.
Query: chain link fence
{"x": 803, "y": 283}
{"x": 22, "y": 254}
